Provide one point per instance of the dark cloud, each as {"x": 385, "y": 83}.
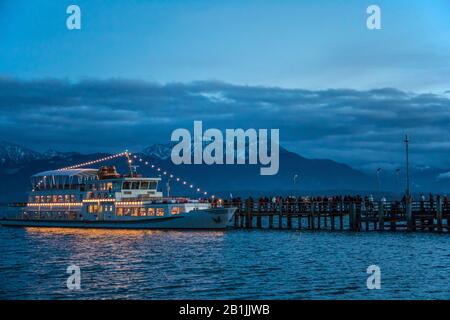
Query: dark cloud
{"x": 362, "y": 128}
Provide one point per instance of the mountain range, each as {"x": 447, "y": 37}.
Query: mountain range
{"x": 297, "y": 174}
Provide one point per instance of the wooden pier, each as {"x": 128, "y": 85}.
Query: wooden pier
{"x": 342, "y": 213}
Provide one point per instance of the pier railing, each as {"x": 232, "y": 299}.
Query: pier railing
{"x": 342, "y": 214}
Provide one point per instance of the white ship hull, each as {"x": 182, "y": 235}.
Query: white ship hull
{"x": 214, "y": 218}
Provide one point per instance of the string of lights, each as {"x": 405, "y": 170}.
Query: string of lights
{"x": 170, "y": 175}
{"x": 94, "y": 161}
{"x": 88, "y": 163}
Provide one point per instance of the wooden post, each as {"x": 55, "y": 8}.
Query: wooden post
{"x": 357, "y": 218}
{"x": 246, "y": 213}
{"x": 242, "y": 215}
{"x": 236, "y": 217}
{"x": 280, "y": 215}
{"x": 445, "y": 210}
{"x": 249, "y": 220}
{"x": 381, "y": 215}
{"x": 289, "y": 220}
{"x": 313, "y": 213}
{"x": 258, "y": 217}
{"x": 366, "y": 216}
{"x": 308, "y": 216}
{"x": 393, "y": 217}
{"x": 332, "y": 213}
{"x": 271, "y": 220}
{"x": 319, "y": 214}
{"x": 341, "y": 216}
{"x": 439, "y": 212}
{"x": 408, "y": 213}
{"x": 352, "y": 216}
{"x": 447, "y": 215}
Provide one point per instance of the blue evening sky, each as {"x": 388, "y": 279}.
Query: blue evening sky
{"x": 295, "y": 44}
{"x": 139, "y": 69}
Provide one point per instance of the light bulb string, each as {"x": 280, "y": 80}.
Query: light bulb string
{"x": 170, "y": 175}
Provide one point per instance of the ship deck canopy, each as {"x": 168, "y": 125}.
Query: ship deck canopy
{"x": 55, "y": 178}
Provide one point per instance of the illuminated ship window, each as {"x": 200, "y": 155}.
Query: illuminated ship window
{"x": 142, "y": 212}
{"x": 160, "y": 212}
{"x": 151, "y": 212}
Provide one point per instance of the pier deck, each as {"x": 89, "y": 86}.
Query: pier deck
{"x": 349, "y": 215}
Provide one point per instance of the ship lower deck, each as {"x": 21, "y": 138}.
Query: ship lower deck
{"x": 214, "y": 218}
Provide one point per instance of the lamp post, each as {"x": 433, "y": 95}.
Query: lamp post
{"x": 407, "y": 165}
{"x": 378, "y": 180}
{"x": 295, "y": 178}
{"x": 397, "y": 180}
{"x": 408, "y": 203}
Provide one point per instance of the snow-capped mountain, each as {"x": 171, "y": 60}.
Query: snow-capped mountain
{"x": 163, "y": 151}
{"x": 18, "y": 163}
{"x": 11, "y": 153}
{"x": 160, "y": 151}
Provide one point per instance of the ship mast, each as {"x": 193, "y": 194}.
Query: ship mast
{"x": 130, "y": 171}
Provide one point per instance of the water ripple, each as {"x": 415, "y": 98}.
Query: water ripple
{"x": 237, "y": 264}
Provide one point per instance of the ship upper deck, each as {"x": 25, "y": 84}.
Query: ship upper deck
{"x": 81, "y": 173}
{"x": 69, "y": 178}
{"x": 63, "y": 177}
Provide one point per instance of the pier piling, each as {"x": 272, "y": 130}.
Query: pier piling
{"x": 352, "y": 214}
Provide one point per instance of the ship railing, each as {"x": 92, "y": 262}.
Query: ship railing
{"x": 25, "y": 214}
{"x": 395, "y": 208}
{"x": 165, "y": 200}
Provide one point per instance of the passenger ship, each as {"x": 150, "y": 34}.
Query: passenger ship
{"x": 102, "y": 198}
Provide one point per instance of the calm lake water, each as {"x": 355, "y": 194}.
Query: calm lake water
{"x": 236, "y": 264}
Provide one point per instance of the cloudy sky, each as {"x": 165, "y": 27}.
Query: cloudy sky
{"x": 139, "y": 69}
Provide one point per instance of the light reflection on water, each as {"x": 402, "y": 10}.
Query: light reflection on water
{"x": 257, "y": 264}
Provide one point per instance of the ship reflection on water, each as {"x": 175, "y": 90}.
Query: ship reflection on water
{"x": 117, "y": 234}
{"x": 123, "y": 263}
{"x": 91, "y": 233}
